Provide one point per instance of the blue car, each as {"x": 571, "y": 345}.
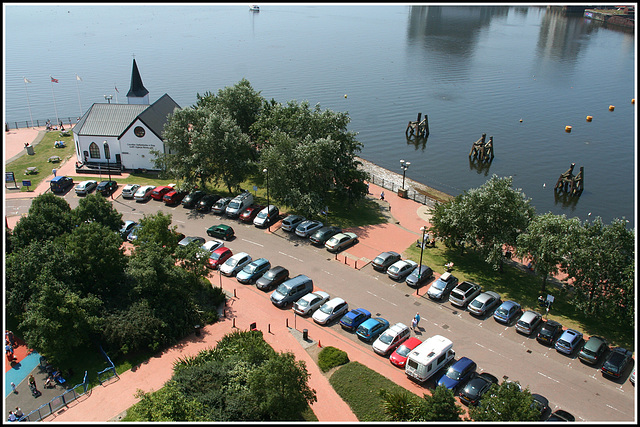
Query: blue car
{"x": 458, "y": 373}
{"x": 507, "y": 311}
{"x": 354, "y": 318}
{"x": 370, "y": 329}
{"x": 568, "y": 341}
{"x": 253, "y": 271}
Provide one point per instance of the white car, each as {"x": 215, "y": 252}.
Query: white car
{"x": 310, "y": 302}
{"x": 391, "y": 338}
{"x": 235, "y": 264}
{"x": 212, "y": 245}
{"x": 308, "y": 227}
{"x": 330, "y": 310}
{"x": 129, "y": 190}
{"x": 84, "y": 187}
{"x": 144, "y": 193}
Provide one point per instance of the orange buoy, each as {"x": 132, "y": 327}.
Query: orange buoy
{"x": 611, "y": 107}
{"x": 589, "y": 118}
{"x": 633, "y": 100}
{"x": 567, "y": 128}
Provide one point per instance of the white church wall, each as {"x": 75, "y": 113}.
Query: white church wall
{"x": 135, "y": 149}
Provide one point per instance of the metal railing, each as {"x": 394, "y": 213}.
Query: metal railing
{"x": 390, "y": 184}
{"x": 110, "y": 370}
{"x": 58, "y": 402}
{"x": 37, "y": 123}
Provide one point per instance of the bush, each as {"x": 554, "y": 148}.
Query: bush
{"x": 331, "y": 357}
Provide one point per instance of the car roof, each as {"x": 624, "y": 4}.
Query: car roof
{"x": 412, "y": 342}
{"x": 260, "y": 261}
{"x": 335, "y": 301}
{"x": 323, "y": 294}
{"x": 483, "y": 297}
{"x": 221, "y": 250}
{"x": 462, "y": 363}
{"x": 397, "y": 327}
{"x": 277, "y": 268}
{"x": 240, "y": 255}
{"x": 509, "y": 304}
{"x": 530, "y": 314}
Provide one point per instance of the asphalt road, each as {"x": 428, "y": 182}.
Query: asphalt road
{"x": 567, "y": 383}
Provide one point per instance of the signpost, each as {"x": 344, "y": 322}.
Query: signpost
{"x": 10, "y": 177}
{"x": 26, "y": 183}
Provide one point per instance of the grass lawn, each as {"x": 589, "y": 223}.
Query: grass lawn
{"x": 358, "y": 386}
{"x": 523, "y": 288}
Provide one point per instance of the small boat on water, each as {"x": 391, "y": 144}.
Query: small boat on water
{"x": 254, "y": 8}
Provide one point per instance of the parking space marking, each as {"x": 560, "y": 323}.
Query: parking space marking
{"x": 547, "y": 376}
{"x": 297, "y": 259}
{"x": 371, "y": 293}
{"x": 493, "y": 351}
{"x": 257, "y": 244}
{"x": 329, "y": 273}
{"x": 177, "y": 220}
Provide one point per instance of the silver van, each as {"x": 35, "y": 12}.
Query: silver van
{"x": 291, "y": 290}
{"x": 239, "y": 204}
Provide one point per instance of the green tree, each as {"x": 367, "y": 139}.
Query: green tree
{"x": 546, "y": 242}
{"x": 49, "y": 217}
{"x": 156, "y": 228}
{"x": 450, "y": 222}
{"x": 96, "y": 208}
{"x": 505, "y": 402}
{"x": 441, "y": 406}
{"x": 166, "y": 404}
{"x": 401, "y": 405}
{"x": 405, "y": 406}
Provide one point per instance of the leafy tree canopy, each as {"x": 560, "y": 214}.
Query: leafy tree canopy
{"x": 96, "y": 208}
{"x": 505, "y": 402}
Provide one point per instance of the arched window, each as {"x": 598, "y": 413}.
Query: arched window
{"x": 94, "y": 151}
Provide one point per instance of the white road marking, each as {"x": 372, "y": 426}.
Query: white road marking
{"x": 290, "y": 256}
{"x": 177, "y": 220}
{"x": 546, "y": 376}
{"x": 257, "y": 244}
{"x": 493, "y": 351}
{"x": 371, "y": 293}
{"x": 329, "y": 273}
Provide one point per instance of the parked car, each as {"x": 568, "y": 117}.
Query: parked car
{"x": 212, "y": 245}
{"x": 384, "y": 260}
{"x": 401, "y": 269}
{"x": 220, "y": 206}
{"x": 133, "y": 234}
{"x": 306, "y": 228}
{"x": 221, "y": 231}
{"x": 616, "y": 362}
{"x": 191, "y": 239}
{"x": 391, "y": 338}
{"x": 420, "y": 275}
{"x": 174, "y": 197}
{"x": 371, "y": 328}
{"x": 483, "y": 303}
{"x": 561, "y": 415}
{"x": 476, "y": 387}
{"x": 568, "y": 341}
{"x": 291, "y": 222}
{"x": 266, "y": 216}
{"x": 238, "y": 204}
{"x": 399, "y": 355}
{"x": 126, "y": 229}
{"x": 310, "y": 302}
{"x": 340, "y": 241}
{"x": 191, "y": 199}
{"x": 464, "y": 293}
{"x": 206, "y": 203}
{"x": 528, "y": 322}
{"x": 84, "y": 187}
{"x": 59, "y": 184}
{"x": 143, "y": 193}
{"x": 106, "y": 188}
{"x": 632, "y": 377}
{"x": 593, "y": 350}
{"x": 159, "y": 192}
{"x": 320, "y": 236}
{"x": 442, "y": 287}
{"x": 330, "y": 310}
{"x": 351, "y": 320}
{"x": 272, "y": 278}
{"x": 458, "y": 374}
{"x": 549, "y": 332}
{"x": 541, "y": 403}
{"x": 507, "y": 311}
{"x": 235, "y": 263}
{"x": 249, "y": 214}
{"x": 291, "y": 290}
{"x": 252, "y": 271}
{"x": 129, "y": 190}
{"x": 219, "y": 257}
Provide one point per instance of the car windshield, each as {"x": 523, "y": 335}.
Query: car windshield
{"x": 250, "y": 268}
{"x": 563, "y": 343}
{"x": 282, "y": 289}
{"x": 333, "y": 241}
{"x": 326, "y": 308}
{"x": 262, "y": 215}
{"x": 403, "y": 350}
{"x": 439, "y": 285}
{"x": 234, "y": 205}
{"x": 502, "y": 311}
{"x": 347, "y": 321}
{"x": 231, "y": 262}
{"x": 477, "y": 304}
{"x": 609, "y": 365}
{"x": 378, "y": 260}
{"x": 386, "y": 338}
{"x": 303, "y": 303}
{"x": 214, "y": 256}
{"x": 393, "y": 269}
{"x": 269, "y": 275}
{"x": 523, "y": 323}
{"x": 454, "y": 374}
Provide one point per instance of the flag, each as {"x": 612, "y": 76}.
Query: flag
{"x": 116, "y": 87}
{"x": 53, "y": 80}
{"x": 78, "y": 77}
{"x": 26, "y": 80}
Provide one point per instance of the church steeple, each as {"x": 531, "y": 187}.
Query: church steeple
{"x": 137, "y": 94}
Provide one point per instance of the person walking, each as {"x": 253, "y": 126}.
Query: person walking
{"x": 13, "y": 387}
{"x": 32, "y": 382}
{"x": 417, "y": 319}
{"x": 54, "y": 171}
{"x": 414, "y": 324}
{"x": 382, "y": 196}
{"x": 19, "y": 413}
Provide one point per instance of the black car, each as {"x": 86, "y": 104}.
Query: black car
{"x": 191, "y": 199}
{"x": 106, "y": 187}
{"x": 549, "y": 332}
{"x": 616, "y": 362}
{"x": 272, "y": 278}
{"x": 476, "y": 387}
{"x": 384, "y": 260}
{"x": 126, "y": 228}
{"x": 541, "y": 403}
{"x": 561, "y": 415}
{"x": 417, "y": 278}
{"x": 320, "y": 236}
{"x": 206, "y": 203}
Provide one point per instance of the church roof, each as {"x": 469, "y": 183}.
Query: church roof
{"x": 156, "y": 115}
{"x": 137, "y": 89}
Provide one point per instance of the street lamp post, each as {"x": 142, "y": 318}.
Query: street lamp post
{"x": 404, "y": 166}
{"x": 265, "y": 170}
{"x": 108, "y": 98}
{"x": 107, "y": 154}
{"x": 424, "y": 230}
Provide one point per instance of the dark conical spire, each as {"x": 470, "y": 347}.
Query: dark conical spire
{"x": 137, "y": 89}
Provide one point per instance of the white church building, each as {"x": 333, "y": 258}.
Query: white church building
{"x": 122, "y": 136}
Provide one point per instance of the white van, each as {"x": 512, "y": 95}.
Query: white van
{"x": 427, "y": 358}
{"x": 239, "y": 204}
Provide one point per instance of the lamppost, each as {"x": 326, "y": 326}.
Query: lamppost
{"x": 404, "y": 166}
{"x": 265, "y": 170}
{"x": 107, "y": 154}
{"x": 424, "y": 230}
{"x": 108, "y": 98}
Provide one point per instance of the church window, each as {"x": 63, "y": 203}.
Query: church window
{"x": 94, "y": 151}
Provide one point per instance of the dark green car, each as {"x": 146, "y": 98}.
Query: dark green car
{"x": 221, "y": 231}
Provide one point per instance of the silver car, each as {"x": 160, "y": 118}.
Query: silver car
{"x": 483, "y": 303}
{"x": 129, "y": 190}
{"x": 83, "y": 188}
{"x": 442, "y": 286}
{"x": 528, "y": 322}
{"x": 306, "y": 228}
{"x": 235, "y": 264}
{"x": 310, "y": 302}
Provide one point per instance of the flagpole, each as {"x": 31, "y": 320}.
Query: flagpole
{"x": 78, "y": 88}
{"x": 54, "y": 101}
{"x": 116, "y": 88}
{"x": 28, "y": 103}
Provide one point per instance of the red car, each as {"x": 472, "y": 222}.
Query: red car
{"x": 173, "y": 197}
{"x": 250, "y": 213}
{"x": 218, "y": 257}
{"x": 399, "y": 356}
{"x": 160, "y": 191}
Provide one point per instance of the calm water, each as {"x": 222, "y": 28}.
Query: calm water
{"x": 470, "y": 69}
